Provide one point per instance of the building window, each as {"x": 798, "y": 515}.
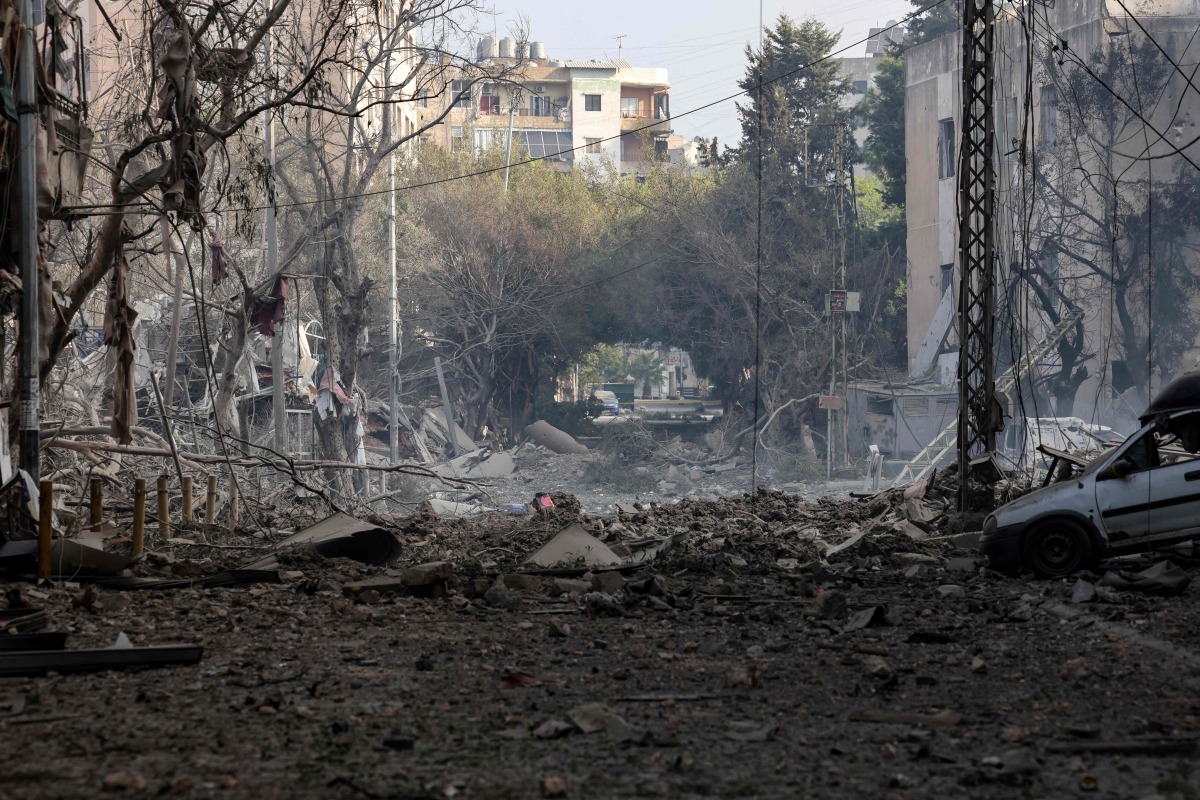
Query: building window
{"x": 460, "y": 93}
{"x": 631, "y": 108}
{"x": 947, "y": 277}
{"x": 945, "y": 147}
{"x": 458, "y": 141}
{"x": 591, "y": 102}
{"x": 541, "y": 106}
{"x": 860, "y": 87}
{"x": 1049, "y": 103}
{"x": 489, "y": 104}
{"x": 422, "y": 101}
{"x": 591, "y": 145}
{"x": 660, "y": 149}
{"x": 662, "y": 106}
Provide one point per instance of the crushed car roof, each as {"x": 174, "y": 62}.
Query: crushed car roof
{"x": 1181, "y": 394}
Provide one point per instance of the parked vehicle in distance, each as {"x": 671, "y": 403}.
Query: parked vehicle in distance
{"x": 608, "y": 402}
{"x": 1142, "y": 494}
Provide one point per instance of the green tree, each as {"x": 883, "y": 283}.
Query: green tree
{"x": 800, "y": 94}
{"x": 604, "y": 363}
{"x": 647, "y": 369}
{"x": 934, "y": 20}
{"x": 883, "y": 112}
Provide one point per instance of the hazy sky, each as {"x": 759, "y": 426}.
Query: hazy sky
{"x": 701, "y": 43}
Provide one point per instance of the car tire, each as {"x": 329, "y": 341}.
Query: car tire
{"x": 1057, "y": 548}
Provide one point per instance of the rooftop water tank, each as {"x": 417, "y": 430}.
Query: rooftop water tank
{"x": 537, "y": 49}
{"x": 488, "y": 48}
{"x": 508, "y": 48}
{"x": 525, "y": 51}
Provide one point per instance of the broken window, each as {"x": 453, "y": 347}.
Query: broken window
{"x": 591, "y": 102}
{"x": 879, "y": 405}
{"x": 945, "y": 149}
{"x": 660, "y": 149}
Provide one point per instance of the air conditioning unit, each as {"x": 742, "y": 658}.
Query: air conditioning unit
{"x": 539, "y": 88}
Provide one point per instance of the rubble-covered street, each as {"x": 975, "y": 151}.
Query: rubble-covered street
{"x": 758, "y": 646}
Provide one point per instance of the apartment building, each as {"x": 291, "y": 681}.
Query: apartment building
{"x": 572, "y": 113}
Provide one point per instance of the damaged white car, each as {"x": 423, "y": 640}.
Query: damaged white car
{"x": 1143, "y": 494}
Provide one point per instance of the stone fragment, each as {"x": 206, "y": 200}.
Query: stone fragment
{"x": 570, "y": 586}
{"x": 831, "y": 604}
{"x": 951, "y": 590}
{"x": 553, "y": 787}
{"x": 877, "y": 667}
{"x": 609, "y": 582}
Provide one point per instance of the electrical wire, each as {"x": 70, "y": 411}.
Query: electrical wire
{"x": 533, "y": 160}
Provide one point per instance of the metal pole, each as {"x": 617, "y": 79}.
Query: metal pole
{"x": 976, "y": 243}
{"x": 278, "y": 377}
{"x": 393, "y": 334}
{"x": 29, "y": 388}
{"x": 512, "y": 107}
{"x": 437, "y": 362}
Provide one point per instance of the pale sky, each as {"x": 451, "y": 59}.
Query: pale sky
{"x": 701, "y": 43}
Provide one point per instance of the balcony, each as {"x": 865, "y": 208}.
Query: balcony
{"x": 645, "y": 123}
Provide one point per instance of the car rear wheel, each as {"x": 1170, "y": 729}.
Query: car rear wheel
{"x": 1057, "y": 548}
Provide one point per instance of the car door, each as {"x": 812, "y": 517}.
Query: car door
{"x": 1123, "y": 502}
{"x": 1174, "y": 502}
{"x": 1160, "y": 498}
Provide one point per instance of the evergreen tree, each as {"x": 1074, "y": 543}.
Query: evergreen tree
{"x": 934, "y": 21}
{"x": 883, "y": 111}
{"x": 799, "y": 89}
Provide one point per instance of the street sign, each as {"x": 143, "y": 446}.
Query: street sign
{"x": 831, "y": 402}
{"x": 675, "y": 358}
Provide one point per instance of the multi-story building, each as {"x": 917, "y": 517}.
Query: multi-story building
{"x": 570, "y": 112}
{"x": 1075, "y": 163}
{"x": 861, "y": 71}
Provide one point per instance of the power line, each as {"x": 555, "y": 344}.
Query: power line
{"x": 491, "y": 170}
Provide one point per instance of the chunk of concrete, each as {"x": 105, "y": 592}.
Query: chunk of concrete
{"x": 426, "y": 574}
{"x": 574, "y": 546}
{"x": 553, "y": 439}
{"x": 608, "y": 582}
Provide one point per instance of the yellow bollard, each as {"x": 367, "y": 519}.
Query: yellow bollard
{"x": 45, "y": 530}
{"x": 164, "y": 524}
{"x": 97, "y": 516}
{"x": 187, "y": 498}
{"x": 139, "y": 516}
{"x": 210, "y": 504}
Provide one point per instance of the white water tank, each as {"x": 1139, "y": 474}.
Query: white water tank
{"x": 488, "y": 48}
{"x": 525, "y": 51}
{"x": 508, "y": 48}
{"x": 537, "y": 50}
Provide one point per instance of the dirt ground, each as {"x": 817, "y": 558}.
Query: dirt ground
{"x": 746, "y": 659}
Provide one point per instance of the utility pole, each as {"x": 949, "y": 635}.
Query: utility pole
{"x": 977, "y": 420}
{"x": 278, "y": 376}
{"x": 513, "y": 99}
{"x": 393, "y": 334}
{"x": 29, "y": 388}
